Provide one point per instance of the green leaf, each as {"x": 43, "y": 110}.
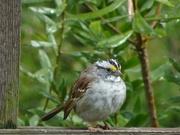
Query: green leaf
{"x": 21, "y": 122}
{"x": 128, "y": 87}
{"x": 147, "y": 5}
{"x": 26, "y": 120}
{"x": 110, "y": 120}
{"x": 50, "y": 97}
{"x": 161, "y": 32}
{"x": 136, "y": 84}
{"x": 166, "y": 2}
{"x": 162, "y": 116}
{"x": 42, "y": 72}
{"x": 141, "y": 26}
{"x": 74, "y": 54}
{"x": 62, "y": 89}
{"x": 127, "y": 114}
{"x": 169, "y": 76}
{"x": 83, "y": 33}
{"x": 174, "y": 63}
{"x": 98, "y": 13}
{"x": 95, "y": 27}
{"x": 91, "y": 1}
{"x": 158, "y": 73}
{"x": 41, "y": 75}
{"x": 81, "y": 39}
{"x": 33, "y": 1}
{"x": 58, "y": 2}
{"x": 175, "y": 99}
{"x": 40, "y": 44}
{"x": 36, "y": 111}
{"x": 46, "y": 19}
{"x": 40, "y": 36}
{"x": 54, "y": 87}
{"x": 29, "y": 74}
{"x": 125, "y": 26}
{"x": 60, "y": 8}
{"x": 80, "y": 54}
{"x": 172, "y": 14}
{"x": 134, "y": 61}
{"x": 51, "y": 26}
{"x": 113, "y": 19}
{"x": 33, "y": 121}
{"x": 44, "y": 59}
{"x": 173, "y": 108}
{"x": 52, "y": 39}
{"x": 115, "y": 41}
{"x": 137, "y": 106}
{"x": 42, "y": 10}
{"x": 76, "y": 120}
{"x": 138, "y": 120}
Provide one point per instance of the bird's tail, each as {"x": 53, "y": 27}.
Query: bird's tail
{"x": 50, "y": 114}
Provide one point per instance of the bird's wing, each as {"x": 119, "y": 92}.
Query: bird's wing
{"x": 80, "y": 87}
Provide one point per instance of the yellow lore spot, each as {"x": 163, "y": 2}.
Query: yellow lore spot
{"x": 112, "y": 68}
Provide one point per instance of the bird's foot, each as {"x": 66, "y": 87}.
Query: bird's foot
{"x": 98, "y": 128}
{"x": 105, "y": 127}
{"x": 102, "y": 127}
{"x": 95, "y": 129}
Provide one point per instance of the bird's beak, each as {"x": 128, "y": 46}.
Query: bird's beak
{"x": 118, "y": 73}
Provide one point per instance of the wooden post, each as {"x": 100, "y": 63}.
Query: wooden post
{"x": 10, "y": 12}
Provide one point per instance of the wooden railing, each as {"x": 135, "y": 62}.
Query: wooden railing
{"x": 84, "y": 131}
{"x": 10, "y": 13}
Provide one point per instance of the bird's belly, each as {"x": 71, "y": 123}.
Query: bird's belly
{"x": 100, "y": 102}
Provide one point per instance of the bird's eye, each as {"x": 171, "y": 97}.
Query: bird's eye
{"x": 107, "y": 69}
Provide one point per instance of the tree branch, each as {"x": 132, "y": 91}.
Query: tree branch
{"x": 158, "y": 10}
{"x": 130, "y": 9}
{"x": 145, "y": 71}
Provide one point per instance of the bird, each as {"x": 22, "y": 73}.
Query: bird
{"x": 97, "y": 93}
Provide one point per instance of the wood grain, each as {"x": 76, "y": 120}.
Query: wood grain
{"x": 84, "y": 131}
{"x": 10, "y": 20}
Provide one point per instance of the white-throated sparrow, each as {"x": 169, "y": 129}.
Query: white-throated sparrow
{"x": 98, "y": 92}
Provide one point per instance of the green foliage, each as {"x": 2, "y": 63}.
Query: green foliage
{"x": 33, "y": 1}
{"x": 172, "y": 100}
{"x": 67, "y": 39}
{"x": 166, "y": 2}
{"x": 171, "y": 77}
{"x": 98, "y": 13}
{"x": 141, "y": 26}
{"x": 114, "y": 41}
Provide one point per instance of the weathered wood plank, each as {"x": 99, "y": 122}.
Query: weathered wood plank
{"x": 84, "y": 131}
{"x": 9, "y": 61}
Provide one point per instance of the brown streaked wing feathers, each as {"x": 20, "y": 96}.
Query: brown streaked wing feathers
{"x": 80, "y": 88}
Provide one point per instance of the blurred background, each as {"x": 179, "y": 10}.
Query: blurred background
{"x": 77, "y": 54}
